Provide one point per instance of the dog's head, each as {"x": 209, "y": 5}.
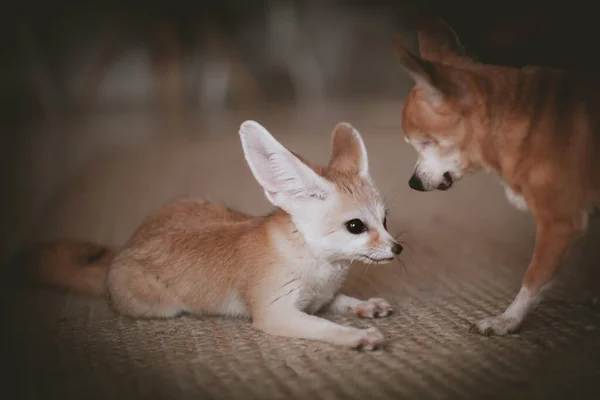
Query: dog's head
{"x": 442, "y": 110}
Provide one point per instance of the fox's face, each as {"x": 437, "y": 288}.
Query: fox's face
{"x": 441, "y": 112}
{"x": 353, "y": 221}
{"x": 337, "y": 209}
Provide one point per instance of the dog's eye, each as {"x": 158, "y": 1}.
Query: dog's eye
{"x": 385, "y": 223}
{"x": 422, "y": 145}
{"x": 355, "y": 226}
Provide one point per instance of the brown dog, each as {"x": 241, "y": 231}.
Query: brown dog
{"x": 536, "y": 127}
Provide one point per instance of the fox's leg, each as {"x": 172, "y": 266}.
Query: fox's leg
{"x": 552, "y": 242}
{"x": 141, "y": 295}
{"x": 291, "y": 322}
{"x": 372, "y": 308}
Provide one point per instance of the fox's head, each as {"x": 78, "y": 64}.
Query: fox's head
{"x": 337, "y": 208}
{"x": 443, "y": 110}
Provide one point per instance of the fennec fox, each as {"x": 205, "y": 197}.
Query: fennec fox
{"x": 202, "y": 258}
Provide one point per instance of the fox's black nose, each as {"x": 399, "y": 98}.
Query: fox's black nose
{"x": 415, "y": 183}
{"x": 396, "y": 248}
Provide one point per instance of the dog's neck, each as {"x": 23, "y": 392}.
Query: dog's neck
{"x": 502, "y": 125}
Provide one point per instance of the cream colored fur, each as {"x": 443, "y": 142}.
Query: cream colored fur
{"x": 196, "y": 257}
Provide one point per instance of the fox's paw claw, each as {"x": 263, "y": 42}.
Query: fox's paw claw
{"x": 368, "y": 339}
{"x": 374, "y": 308}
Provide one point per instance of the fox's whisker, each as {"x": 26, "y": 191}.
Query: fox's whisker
{"x": 364, "y": 269}
{"x": 406, "y": 244}
{"x": 400, "y": 234}
{"x": 409, "y": 253}
{"x": 402, "y": 264}
{"x": 283, "y": 295}
{"x": 288, "y": 282}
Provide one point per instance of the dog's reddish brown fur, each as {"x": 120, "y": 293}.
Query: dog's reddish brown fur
{"x": 536, "y": 127}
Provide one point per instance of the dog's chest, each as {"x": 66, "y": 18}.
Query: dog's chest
{"x": 320, "y": 283}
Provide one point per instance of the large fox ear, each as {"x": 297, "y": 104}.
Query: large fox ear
{"x": 348, "y": 151}
{"x": 281, "y": 174}
{"x": 438, "y": 41}
{"x": 420, "y": 70}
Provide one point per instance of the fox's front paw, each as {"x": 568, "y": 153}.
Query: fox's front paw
{"x": 373, "y": 308}
{"x": 366, "y": 339}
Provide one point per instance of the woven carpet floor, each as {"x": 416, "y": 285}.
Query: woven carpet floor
{"x": 468, "y": 250}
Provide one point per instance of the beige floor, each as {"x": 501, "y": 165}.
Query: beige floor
{"x": 468, "y": 252}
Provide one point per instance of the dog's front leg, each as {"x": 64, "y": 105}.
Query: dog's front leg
{"x": 291, "y": 322}
{"x": 552, "y": 242}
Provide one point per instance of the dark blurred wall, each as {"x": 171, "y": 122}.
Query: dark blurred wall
{"x": 517, "y": 33}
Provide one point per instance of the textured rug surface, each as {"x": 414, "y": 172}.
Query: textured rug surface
{"x": 468, "y": 250}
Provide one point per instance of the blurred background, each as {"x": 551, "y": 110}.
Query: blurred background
{"x": 77, "y": 79}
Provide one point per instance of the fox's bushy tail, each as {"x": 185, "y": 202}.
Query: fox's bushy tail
{"x": 71, "y": 265}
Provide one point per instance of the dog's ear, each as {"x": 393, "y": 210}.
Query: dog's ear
{"x": 439, "y": 42}
{"x": 421, "y": 71}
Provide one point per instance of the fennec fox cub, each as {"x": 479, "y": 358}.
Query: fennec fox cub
{"x": 202, "y": 258}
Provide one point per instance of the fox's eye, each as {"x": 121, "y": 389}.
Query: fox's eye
{"x": 355, "y": 226}
{"x": 385, "y": 223}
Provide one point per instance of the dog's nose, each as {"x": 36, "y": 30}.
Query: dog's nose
{"x": 396, "y": 248}
{"x": 448, "y": 177}
{"x": 447, "y": 183}
{"x": 415, "y": 183}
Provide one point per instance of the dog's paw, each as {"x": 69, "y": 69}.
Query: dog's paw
{"x": 367, "y": 339}
{"x": 498, "y": 325}
{"x": 374, "y": 308}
